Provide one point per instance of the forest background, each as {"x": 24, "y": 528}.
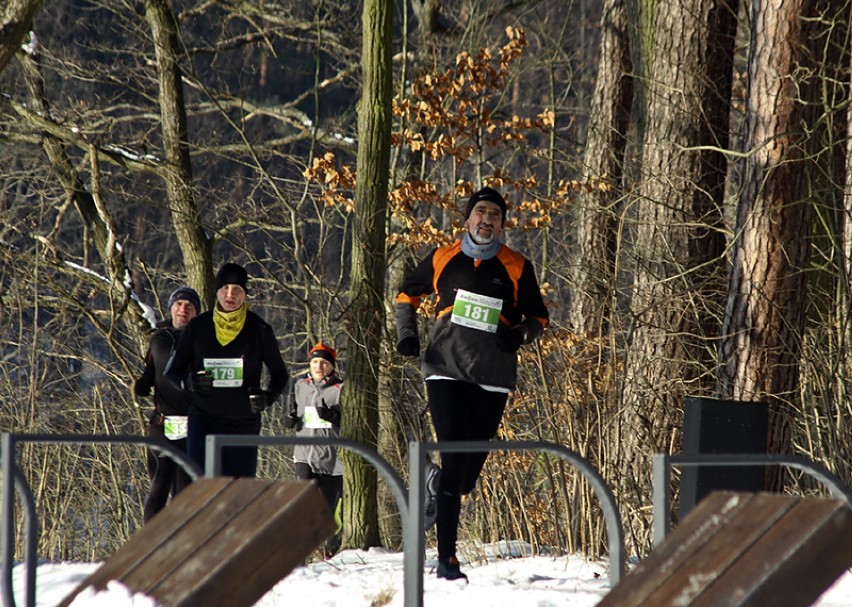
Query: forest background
{"x": 678, "y": 172}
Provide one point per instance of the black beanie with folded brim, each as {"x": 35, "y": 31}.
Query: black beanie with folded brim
{"x": 188, "y": 294}
{"x": 232, "y": 274}
{"x": 489, "y": 195}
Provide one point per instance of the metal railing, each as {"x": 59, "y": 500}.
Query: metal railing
{"x": 13, "y": 479}
{"x": 411, "y": 503}
{"x": 417, "y": 464}
{"x": 663, "y": 471}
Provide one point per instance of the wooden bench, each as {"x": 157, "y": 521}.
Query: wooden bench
{"x": 744, "y": 549}
{"x": 222, "y": 541}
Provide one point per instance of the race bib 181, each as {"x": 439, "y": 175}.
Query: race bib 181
{"x": 476, "y": 311}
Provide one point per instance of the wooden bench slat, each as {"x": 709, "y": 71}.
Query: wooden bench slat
{"x": 319, "y": 527}
{"x": 216, "y": 517}
{"x": 222, "y": 541}
{"x": 754, "y": 516}
{"x": 685, "y": 540}
{"x": 744, "y": 550}
{"x": 267, "y": 544}
{"x": 809, "y": 549}
{"x": 183, "y": 508}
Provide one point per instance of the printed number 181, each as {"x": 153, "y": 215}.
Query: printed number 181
{"x": 476, "y": 312}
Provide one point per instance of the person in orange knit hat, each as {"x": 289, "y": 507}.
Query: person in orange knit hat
{"x": 314, "y": 410}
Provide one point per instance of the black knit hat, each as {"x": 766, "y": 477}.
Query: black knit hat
{"x": 188, "y": 294}
{"x": 232, "y": 274}
{"x": 489, "y": 194}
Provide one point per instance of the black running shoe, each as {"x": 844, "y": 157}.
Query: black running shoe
{"x": 331, "y": 546}
{"x": 430, "y": 508}
{"x": 448, "y": 569}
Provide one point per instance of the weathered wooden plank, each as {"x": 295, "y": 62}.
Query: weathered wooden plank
{"x": 793, "y": 563}
{"x": 686, "y": 539}
{"x": 723, "y": 550}
{"x": 220, "y": 542}
{"x": 159, "y": 530}
{"x": 252, "y": 554}
{"x": 744, "y": 550}
{"x": 190, "y": 542}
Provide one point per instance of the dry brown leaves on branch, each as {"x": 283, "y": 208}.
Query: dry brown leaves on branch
{"x": 456, "y": 104}
{"x": 455, "y": 101}
{"x": 335, "y": 181}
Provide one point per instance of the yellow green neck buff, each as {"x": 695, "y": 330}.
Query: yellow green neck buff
{"x": 228, "y": 324}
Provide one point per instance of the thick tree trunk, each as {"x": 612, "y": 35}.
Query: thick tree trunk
{"x": 366, "y": 313}
{"x": 765, "y": 312}
{"x": 177, "y": 172}
{"x": 843, "y": 381}
{"x": 597, "y": 227}
{"x": 678, "y": 272}
{"x": 16, "y": 21}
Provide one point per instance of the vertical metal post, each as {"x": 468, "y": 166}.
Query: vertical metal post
{"x": 662, "y": 499}
{"x": 212, "y": 457}
{"x": 413, "y": 557}
{"x": 7, "y": 517}
{"x": 31, "y": 538}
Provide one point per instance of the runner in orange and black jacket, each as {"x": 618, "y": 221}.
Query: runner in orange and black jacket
{"x": 488, "y": 306}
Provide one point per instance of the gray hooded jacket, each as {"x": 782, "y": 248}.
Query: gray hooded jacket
{"x": 306, "y": 398}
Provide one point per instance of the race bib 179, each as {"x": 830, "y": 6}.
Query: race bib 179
{"x": 226, "y": 372}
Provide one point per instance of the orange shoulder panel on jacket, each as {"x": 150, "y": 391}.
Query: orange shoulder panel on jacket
{"x": 442, "y": 257}
{"x": 514, "y": 264}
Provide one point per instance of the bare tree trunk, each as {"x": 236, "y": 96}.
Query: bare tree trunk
{"x": 843, "y": 389}
{"x": 89, "y": 205}
{"x": 16, "y": 22}
{"x": 177, "y": 173}
{"x": 609, "y": 118}
{"x": 678, "y": 273}
{"x": 640, "y": 24}
{"x": 765, "y": 312}
{"x": 366, "y": 315}
{"x": 428, "y": 14}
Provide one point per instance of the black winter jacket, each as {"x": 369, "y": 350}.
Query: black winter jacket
{"x": 168, "y": 399}
{"x": 461, "y": 352}
{"x": 254, "y": 347}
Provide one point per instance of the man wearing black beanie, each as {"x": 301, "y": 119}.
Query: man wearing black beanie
{"x": 219, "y": 362}
{"x": 169, "y": 419}
{"x": 232, "y": 274}
{"x": 489, "y": 305}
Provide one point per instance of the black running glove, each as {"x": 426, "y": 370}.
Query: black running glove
{"x": 201, "y": 383}
{"x": 409, "y": 346}
{"x": 510, "y": 340}
{"x": 258, "y": 400}
{"x": 329, "y": 414}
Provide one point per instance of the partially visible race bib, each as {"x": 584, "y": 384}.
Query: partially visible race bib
{"x": 311, "y": 419}
{"x": 476, "y": 311}
{"x": 175, "y": 426}
{"x": 226, "y": 372}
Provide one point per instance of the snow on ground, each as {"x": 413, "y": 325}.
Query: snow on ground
{"x": 374, "y": 578}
